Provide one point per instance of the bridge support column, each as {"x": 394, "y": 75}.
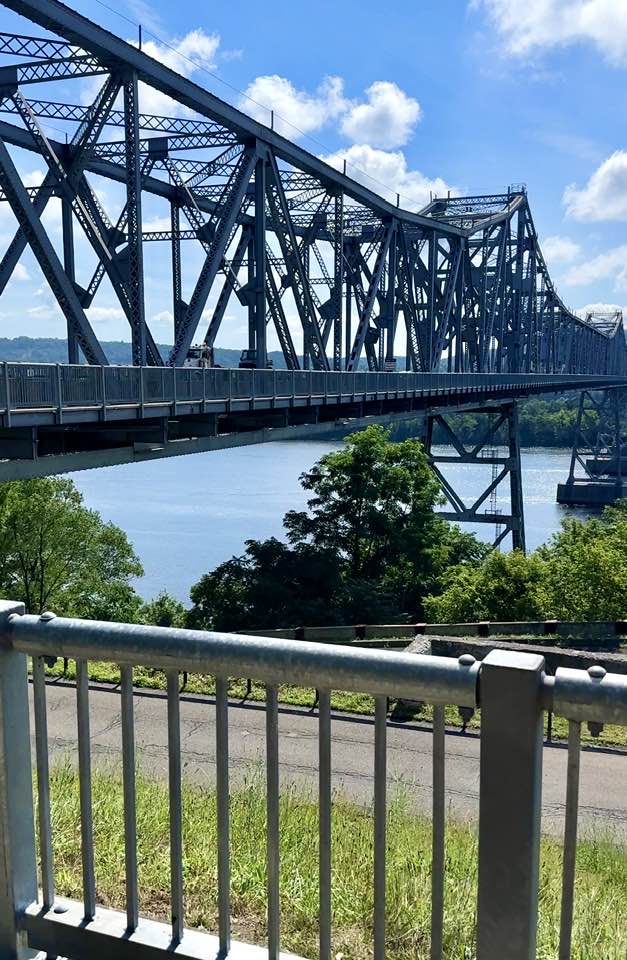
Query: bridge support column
{"x": 496, "y": 446}
{"x": 598, "y": 463}
{"x": 515, "y": 479}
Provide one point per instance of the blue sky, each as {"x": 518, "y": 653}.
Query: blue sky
{"x": 470, "y": 96}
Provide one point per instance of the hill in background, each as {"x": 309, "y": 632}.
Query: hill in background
{"x": 53, "y": 350}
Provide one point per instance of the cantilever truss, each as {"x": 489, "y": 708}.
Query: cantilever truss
{"x": 460, "y": 286}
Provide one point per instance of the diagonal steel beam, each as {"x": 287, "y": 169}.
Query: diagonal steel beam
{"x": 92, "y": 219}
{"x": 231, "y": 284}
{"x": 301, "y": 289}
{"x": 46, "y": 256}
{"x": 222, "y": 223}
{"x": 86, "y": 134}
{"x": 104, "y": 240}
{"x": 371, "y": 295}
{"x": 107, "y": 48}
{"x": 115, "y": 233}
{"x": 450, "y": 287}
{"x": 277, "y": 314}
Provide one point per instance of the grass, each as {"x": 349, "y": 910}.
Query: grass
{"x": 343, "y": 701}
{"x": 600, "y": 932}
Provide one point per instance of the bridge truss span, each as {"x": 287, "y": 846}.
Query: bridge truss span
{"x": 282, "y": 238}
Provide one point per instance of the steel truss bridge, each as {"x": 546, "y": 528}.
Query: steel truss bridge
{"x": 285, "y": 240}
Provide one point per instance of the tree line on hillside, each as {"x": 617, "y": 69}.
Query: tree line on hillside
{"x": 541, "y": 423}
{"x": 54, "y": 350}
{"x": 369, "y": 548}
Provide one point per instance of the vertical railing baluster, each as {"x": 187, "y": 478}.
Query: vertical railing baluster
{"x": 176, "y": 812}
{"x": 84, "y": 773}
{"x": 130, "y": 817}
{"x": 437, "y": 851}
{"x": 222, "y": 786}
{"x": 324, "y": 840}
{"x": 570, "y": 839}
{"x": 380, "y": 824}
{"x": 272, "y": 813}
{"x": 43, "y": 781}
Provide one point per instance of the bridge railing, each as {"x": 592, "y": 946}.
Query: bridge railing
{"x": 511, "y": 689}
{"x": 64, "y": 386}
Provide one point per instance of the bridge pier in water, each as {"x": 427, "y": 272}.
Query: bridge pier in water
{"x": 599, "y": 451}
{"x": 492, "y": 449}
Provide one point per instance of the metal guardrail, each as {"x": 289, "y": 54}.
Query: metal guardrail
{"x": 66, "y": 388}
{"x": 511, "y": 689}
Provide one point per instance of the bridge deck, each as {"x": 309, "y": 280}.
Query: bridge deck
{"x": 59, "y": 394}
{"x": 56, "y": 418}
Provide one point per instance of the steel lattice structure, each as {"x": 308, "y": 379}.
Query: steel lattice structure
{"x": 280, "y": 230}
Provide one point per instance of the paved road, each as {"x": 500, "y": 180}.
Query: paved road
{"x": 603, "y": 794}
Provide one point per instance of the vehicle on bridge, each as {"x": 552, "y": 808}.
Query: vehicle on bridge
{"x": 200, "y": 357}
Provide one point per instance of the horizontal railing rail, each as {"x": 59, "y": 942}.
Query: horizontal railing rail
{"x": 59, "y": 387}
{"x": 511, "y": 689}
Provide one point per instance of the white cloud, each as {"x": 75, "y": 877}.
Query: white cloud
{"x": 379, "y": 169}
{"x": 20, "y": 273}
{"x": 527, "y": 26}
{"x": 558, "y": 249}
{"x": 33, "y": 178}
{"x": 164, "y": 320}
{"x": 295, "y": 111}
{"x": 604, "y": 197}
{"x": 186, "y": 55}
{"x": 386, "y": 120}
{"x": 611, "y": 264}
{"x": 145, "y": 14}
{"x": 100, "y": 315}
{"x": 156, "y": 224}
{"x": 599, "y": 308}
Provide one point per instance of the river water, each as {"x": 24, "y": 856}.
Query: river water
{"x": 185, "y": 515}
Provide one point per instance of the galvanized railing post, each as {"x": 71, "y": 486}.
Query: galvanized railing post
{"x": 18, "y": 868}
{"x": 510, "y": 689}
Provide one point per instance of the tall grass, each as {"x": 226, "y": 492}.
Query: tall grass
{"x": 601, "y": 904}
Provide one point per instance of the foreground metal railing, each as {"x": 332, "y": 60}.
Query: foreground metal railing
{"x": 511, "y": 689}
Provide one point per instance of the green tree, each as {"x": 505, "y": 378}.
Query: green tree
{"x": 503, "y": 587}
{"x": 585, "y": 568}
{"x": 56, "y": 554}
{"x": 580, "y": 574}
{"x": 373, "y": 504}
{"x": 368, "y": 548}
{"x": 164, "y": 611}
{"x": 271, "y": 585}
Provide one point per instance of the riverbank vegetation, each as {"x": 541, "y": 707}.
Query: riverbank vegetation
{"x": 579, "y": 574}
{"x": 369, "y": 548}
{"x": 542, "y": 422}
{"x": 601, "y": 893}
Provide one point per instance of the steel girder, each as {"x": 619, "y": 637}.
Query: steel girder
{"x": 303, "y": 247}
